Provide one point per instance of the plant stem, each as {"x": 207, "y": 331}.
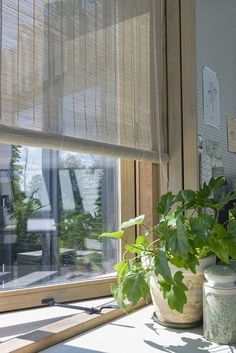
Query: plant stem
{"x": 155, "y": 241}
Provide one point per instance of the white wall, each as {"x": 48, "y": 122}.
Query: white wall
{"x": 216, "y": 48}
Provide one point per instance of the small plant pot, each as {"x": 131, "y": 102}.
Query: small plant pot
{"x": 192, "y": 313}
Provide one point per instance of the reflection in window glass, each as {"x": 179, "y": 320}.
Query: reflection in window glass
{"x": 53, "y": 206}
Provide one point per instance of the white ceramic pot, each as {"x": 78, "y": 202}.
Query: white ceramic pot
{"x": 192, "y": 312}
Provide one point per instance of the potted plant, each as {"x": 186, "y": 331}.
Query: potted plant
{"x": 166, "y": 258}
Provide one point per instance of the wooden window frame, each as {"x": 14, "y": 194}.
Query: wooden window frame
{"x": 181, "y": 95}
{"x": 178, "y": 109}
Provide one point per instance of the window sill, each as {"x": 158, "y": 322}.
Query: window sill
{"x": 138, "y": 332}
{"x": 44, "y": 327}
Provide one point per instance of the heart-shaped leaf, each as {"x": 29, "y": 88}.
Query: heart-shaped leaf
{"x": 161, "y": 266}
{"x": 165, "y": 203}
{"x": 115, "y": 235}
{"x": 135, "y": 286}
{"x": 133, "y": 222}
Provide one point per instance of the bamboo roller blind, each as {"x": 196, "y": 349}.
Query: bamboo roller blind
{"x": 76, "y": 75}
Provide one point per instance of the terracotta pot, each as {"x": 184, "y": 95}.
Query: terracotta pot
{"x": 192, "y": 313}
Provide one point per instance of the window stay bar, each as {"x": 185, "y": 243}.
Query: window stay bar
{"x": 88, "y": 310}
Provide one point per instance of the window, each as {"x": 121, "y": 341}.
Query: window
{"x": 76, "y": 77}
{"x": 54, "y": 205}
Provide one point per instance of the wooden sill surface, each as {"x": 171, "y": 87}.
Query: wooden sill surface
{"x": 48, "y": 326}
{"x": 139, "y": 333}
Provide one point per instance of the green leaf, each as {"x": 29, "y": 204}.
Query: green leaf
{"x": 117, "y": 292}
{"x": 221, "y": 199}
{"x": 174, "y": 292}
{"x": 165, "y": 231}
{"x": 211, "y": 196}
{"x": 203, "y": 252}
{"x": 188, "y": 263}
{"x": 161, "y": 266}
{"x": 142, "y": 241}
{"x": 200, "y": 227}
{"x": 121, "y": 268}
{"x": 179, "y": 290}
{"x": 173, "y": 300}
{"x": 186, "y": 196}
{"x": 178, "y": 262}
{"x": 135, "y": 286}
{"x": 133, "y": 221}
{"x": 186, "y": 201}
{"x": 171, "y": 219}
{"x": 116, "y": 235}
{"x": 165, "y": 287}
{"x": 216, "y": 183}
{"x": 232, "y": 230}
{"x": 232, "y": 227}
{"x": 220, "y": 242}
{"x": 203, "y": 194}
{"x": 233, "y": 211}
{"x": 133, "y": 249}
{"x": 165, "y": 203}
{"x": 179, "y": 242}
{"x": 220, "y": 249}
{"x": 140, "y": 245}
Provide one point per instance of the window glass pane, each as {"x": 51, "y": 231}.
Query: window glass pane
{"x": 53, "y": 206}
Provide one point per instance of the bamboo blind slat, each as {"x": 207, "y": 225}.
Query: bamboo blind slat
{"x": 78, "y": 70}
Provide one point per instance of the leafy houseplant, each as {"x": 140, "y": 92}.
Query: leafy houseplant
{"x": 188, "y": 229}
